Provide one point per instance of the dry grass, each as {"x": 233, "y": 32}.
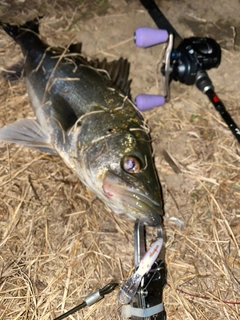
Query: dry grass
{"x": 58, "y": 243}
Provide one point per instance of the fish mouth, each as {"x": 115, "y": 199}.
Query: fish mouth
{"x": 131, "y": 201}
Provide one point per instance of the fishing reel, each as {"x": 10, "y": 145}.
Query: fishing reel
{"x": 182, "y": 64}
{"x": 191, "y": 56}
{"x": 187, "y": 63}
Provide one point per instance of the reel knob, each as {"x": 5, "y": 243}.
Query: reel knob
{"x": 145, "y": 37}
{"x": 147, "y": 101}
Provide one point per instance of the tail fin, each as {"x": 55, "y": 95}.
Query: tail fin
{"x": 17, "y": 32}
{"x": 27, "y": 35}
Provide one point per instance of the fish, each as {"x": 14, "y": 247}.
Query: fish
{"x": 83, "y": 113}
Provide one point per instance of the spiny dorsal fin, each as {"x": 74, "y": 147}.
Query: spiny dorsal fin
{"x": 75, "y": 48}
{"x": 118, "y": 71}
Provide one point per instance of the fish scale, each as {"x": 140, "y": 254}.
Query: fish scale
{"x": 84, "y": 115}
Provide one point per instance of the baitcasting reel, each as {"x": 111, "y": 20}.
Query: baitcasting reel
{"x": 187, "y": 63}
{"x": 181, "y": 64}
{"x": 192, "y": 55}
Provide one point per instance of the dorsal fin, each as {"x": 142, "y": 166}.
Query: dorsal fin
{"x": 118, "y": 71}
{"x": 76, "y": 47}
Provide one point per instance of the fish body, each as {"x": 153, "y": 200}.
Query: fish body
{"x": 85, "y": 118}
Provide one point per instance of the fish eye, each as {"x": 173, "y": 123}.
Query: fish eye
{"x": 131, "y": 164}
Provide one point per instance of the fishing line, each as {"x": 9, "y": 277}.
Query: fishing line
{"x": 90, "y": 299}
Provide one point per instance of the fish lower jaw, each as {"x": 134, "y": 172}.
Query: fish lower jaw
{"x": 120, "y": 205}
{"x": 153, "y": 219}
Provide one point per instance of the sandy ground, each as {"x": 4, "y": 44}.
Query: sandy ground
{"x": 58, "y": 243}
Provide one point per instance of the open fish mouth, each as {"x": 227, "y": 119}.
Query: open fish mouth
{"x": 133, "y": 202}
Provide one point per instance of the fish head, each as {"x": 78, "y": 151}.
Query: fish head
{"x": 126, "y": 176}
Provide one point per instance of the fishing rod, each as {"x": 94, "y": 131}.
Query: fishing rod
{"x": 186, "y": 60}
{"x": 142, "y": 294}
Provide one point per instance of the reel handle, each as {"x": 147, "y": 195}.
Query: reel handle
{"x": 146, "y": 37}
{"x": 148, "y": 101}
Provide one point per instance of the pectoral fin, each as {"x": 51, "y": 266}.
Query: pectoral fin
{"x": 27, "y": 132}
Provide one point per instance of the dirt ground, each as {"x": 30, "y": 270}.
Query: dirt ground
{"x": 59, "y": 243}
